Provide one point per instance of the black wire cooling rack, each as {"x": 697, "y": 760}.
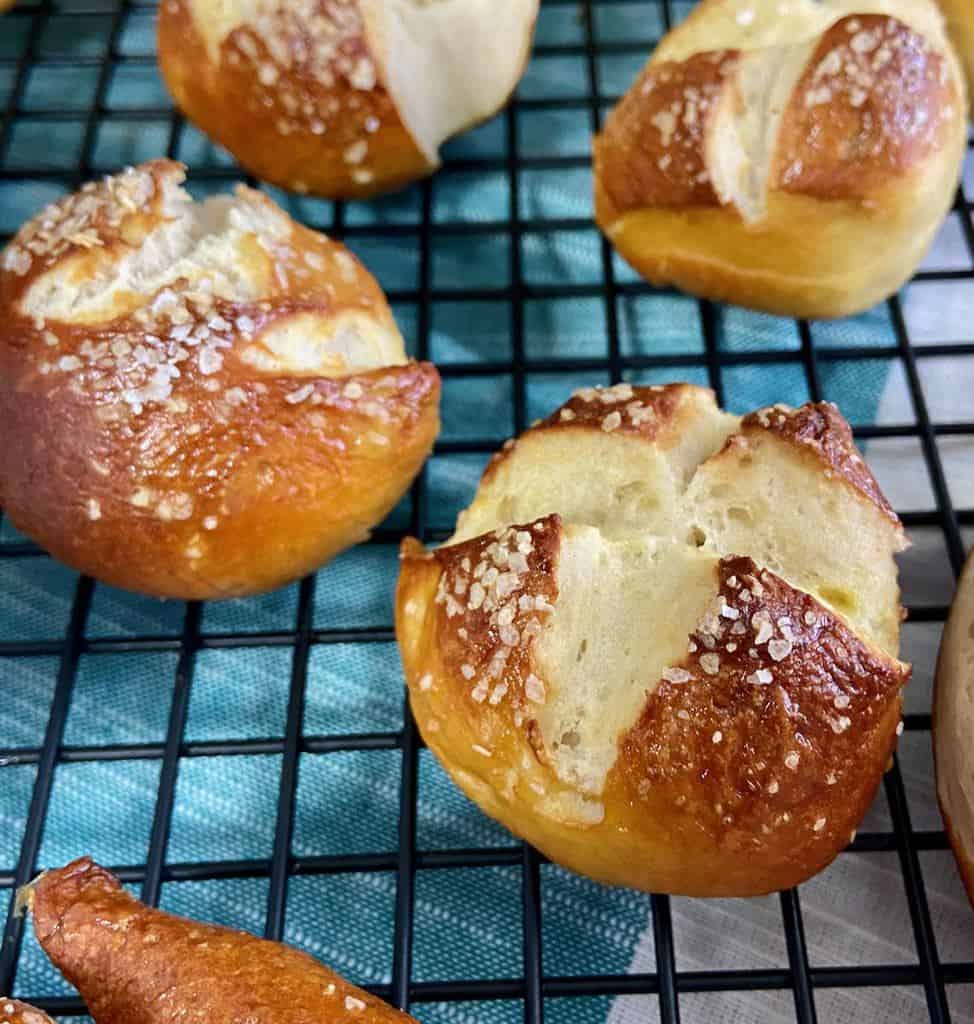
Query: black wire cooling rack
{"x": 29, "y": 41}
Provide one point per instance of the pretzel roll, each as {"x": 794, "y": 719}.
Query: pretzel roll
{"x": 14, "y": 1012}
{"x": 342, "y": 98}
{"x": 661, "y": 645}
{"x": 792, "y": 157}
{"x": 134, "y": 963}
{"x": 960, "y": 25}
{"x": 198, "y": 400}
{"x": 953, "y": 726}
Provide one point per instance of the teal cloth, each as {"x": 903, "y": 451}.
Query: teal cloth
{"x": 467, "y": 921}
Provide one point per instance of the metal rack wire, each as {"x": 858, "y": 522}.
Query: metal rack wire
{"x": 22, "y": 50}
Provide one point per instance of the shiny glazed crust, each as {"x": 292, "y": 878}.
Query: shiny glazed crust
{"x": 134, "y": 963}
{"x": 162, "y": 444}
{"x": 851, "y": 186}
{"x": 765, "y": 779}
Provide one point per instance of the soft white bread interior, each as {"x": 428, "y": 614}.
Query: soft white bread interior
{"x": 451, "y": 63}
{"x": 650, "y": 616}
{"x": 953, "y": 727}
{"x": 796, "y": 157}
{"x": 201, "y": 399}
{"x": 342, "y": 98}
{"x": 715, "y": 482}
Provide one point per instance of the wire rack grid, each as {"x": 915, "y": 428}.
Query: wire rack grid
{"x": 80, "y": 95}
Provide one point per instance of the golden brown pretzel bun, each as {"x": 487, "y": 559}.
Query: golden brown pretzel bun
{"x": 342, "y": 98}
{"x": 661, "y": 644}
{"x": 198, "y": 400}
{"x": 133, "y": 963}
{"x": 14, "y": 1012}
{"x": 796, "y": 161}
{"x": 953, "y": 726}
{"x": 960, "y": 25}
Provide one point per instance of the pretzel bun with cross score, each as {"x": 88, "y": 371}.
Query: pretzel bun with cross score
{"x": 793, "y": 156}
{"x": 198, "y": 400}
{"x": 342, "y": 98}
{"x": 662, "y": 643}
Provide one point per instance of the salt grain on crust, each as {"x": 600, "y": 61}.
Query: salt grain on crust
{"x": 710, "y": 663}
{"x": 762, "y": 677}
{"x": 612, "y": 422}
{"x": 779, "y": 649}
{"x": 534, "y": 689}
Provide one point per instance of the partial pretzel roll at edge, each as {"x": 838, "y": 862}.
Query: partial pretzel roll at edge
{"x": 131, "y": 962}
{"x": 796, "y": 159}
{"x": 342, "y": 98}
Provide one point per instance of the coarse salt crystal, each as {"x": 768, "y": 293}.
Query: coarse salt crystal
{"x": 779, "y": 649}
{"x": 355, "y": 153}
{"x": 534, "y": 689}
{"x": 710, "y": 663}
{"x": 299, "y": 395}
